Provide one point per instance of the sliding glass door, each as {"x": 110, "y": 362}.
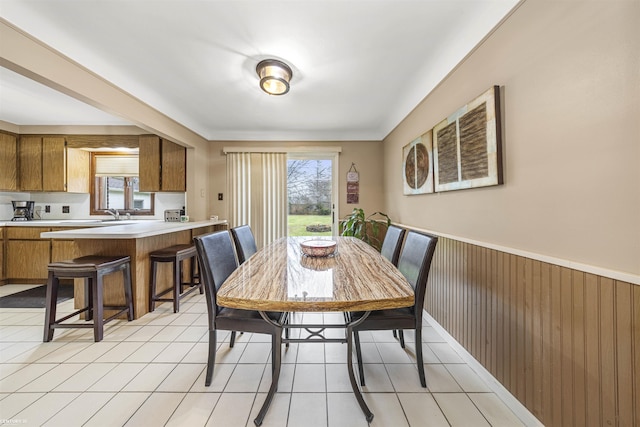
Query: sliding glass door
{"x": 312, "y": 193}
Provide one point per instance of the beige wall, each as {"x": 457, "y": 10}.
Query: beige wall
{"x": 569, "y": 73}
{"x": 367, "y": 155}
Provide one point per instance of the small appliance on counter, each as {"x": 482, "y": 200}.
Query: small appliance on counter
{"x": 23, "y": 210}
{"x": 172, "y": 215}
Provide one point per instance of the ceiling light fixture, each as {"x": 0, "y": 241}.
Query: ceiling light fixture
{"x": 274, "y": 76}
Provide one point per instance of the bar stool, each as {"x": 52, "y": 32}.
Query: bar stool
{"x": 176, "y": 255}
{"x": 92, "y": 269}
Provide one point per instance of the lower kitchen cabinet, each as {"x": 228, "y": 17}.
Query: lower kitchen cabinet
{"x": 25, "y": 259}
{"x": 28, "y": 256}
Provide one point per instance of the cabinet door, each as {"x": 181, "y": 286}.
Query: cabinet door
{"x": 30, "y": 167}
{"x": 174, "y": 158}
{"x": 8, "y": 163}
{"x": 54, "y": 165}
{"x": 63, "y": 249}
{"x": 149, "y": 163}
{"x": 28, "y": 259}
{"x": 78, "y": 174}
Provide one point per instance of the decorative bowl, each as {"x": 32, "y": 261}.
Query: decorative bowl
{"x": 318, "y": 248}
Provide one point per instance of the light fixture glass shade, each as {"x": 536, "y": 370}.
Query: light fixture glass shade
{"x": 274, "y": 76}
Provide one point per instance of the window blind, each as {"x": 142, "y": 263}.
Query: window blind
{"x": 116, "y": 165}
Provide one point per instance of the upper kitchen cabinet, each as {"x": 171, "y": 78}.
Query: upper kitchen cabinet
{"x": 8, "y": 162}
{"x": 47, "y": 164}
{"x": 162, "y": 165}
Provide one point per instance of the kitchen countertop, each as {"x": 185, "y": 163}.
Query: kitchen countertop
{"x": 127, "y": 229}
{"x": 74, "y": 222}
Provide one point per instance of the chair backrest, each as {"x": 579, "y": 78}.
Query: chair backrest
{"x": 392, "y": 243}
{"x": 217, "y": 260}
{"x": 415, "y": 262}
{"x": 244, "y": 241}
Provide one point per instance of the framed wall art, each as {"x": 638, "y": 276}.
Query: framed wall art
{"x": 467, "y": 145}
{"x": 417, "y": 166}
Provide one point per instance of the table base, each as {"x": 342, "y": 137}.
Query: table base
{"x": 314, "y": 337}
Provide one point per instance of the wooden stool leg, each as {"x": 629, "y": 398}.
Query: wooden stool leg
{"x": 152, "y": 286}
{"x": 128, "y": 291}
{"x": 98, "y": 315}
{"x": 51, "y": 306}
{"x": 196, "y": 263}
{"x": 88, "y": 299}
{"x": 177, "y": 281}
{"x": 192, "y": 271}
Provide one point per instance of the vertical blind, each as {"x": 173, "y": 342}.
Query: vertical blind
{"x": 257, "y": 188}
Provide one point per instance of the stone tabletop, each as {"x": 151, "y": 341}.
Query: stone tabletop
{"x": 280, "y": 278}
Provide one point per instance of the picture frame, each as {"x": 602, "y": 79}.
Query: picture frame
{"x": 417, "y": 165}
{"x": 467, "y": 145}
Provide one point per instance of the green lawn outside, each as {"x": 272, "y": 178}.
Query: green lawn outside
{"x": 298, "y": 224}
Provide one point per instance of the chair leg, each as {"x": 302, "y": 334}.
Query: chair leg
{"x": 395, "y": 334}
{"x": 232, "y": 341}
{"x": 423, "y": 380}
{"x": 286, "y": 330}
{"x": 356, "y": 340}
{"x": 212, "y": 357}
{"x": 401, "y": 335}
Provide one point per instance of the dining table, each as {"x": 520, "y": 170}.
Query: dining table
{"x": 280, "y": 277}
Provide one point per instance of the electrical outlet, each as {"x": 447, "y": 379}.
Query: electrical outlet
{"x": 219, "y": 196}
{"x": 47, "y": 208}
{"x": 65, "y": 209}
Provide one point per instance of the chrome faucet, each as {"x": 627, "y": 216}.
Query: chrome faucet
{"x": 115, "y": 214}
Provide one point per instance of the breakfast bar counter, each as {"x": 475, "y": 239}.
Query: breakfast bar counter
{"x": 136, "y": 239}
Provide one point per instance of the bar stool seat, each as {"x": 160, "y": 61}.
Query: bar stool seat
{"x": 175, "y": 254}
{"x": 92, "y": 269}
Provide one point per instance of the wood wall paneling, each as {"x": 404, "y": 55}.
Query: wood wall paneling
{"x": 565, "y": 343}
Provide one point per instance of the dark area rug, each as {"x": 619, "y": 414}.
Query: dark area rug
{"x": 34, "y": 297}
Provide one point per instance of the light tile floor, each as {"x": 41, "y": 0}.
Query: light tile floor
{"x": 150, "y": 372}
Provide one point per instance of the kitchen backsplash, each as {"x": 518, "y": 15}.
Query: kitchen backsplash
{"x": 79, "y": 205}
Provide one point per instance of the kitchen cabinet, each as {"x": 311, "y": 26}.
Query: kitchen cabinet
{"x": 47, "y": 164}
{"x": 27, "y": 254}
{"x": 162, "y": 165}
{"x": 30, "y": 163}
{"x": 8, "y": 162}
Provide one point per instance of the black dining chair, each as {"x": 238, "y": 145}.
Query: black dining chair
{"x": 217, "y": 261}
{"x": 244, "y": 242}
{"x": 390, "y": 249}
{"x": 414, "y": 263}
{"x": 392, "y": 243}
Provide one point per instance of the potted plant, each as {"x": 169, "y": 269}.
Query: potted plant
{"x": 366, "y": 228}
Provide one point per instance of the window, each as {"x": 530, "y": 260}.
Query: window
{"x": 116, "y": 185}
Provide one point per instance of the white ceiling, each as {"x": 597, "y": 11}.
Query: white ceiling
{"x": 359, "y": 66}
